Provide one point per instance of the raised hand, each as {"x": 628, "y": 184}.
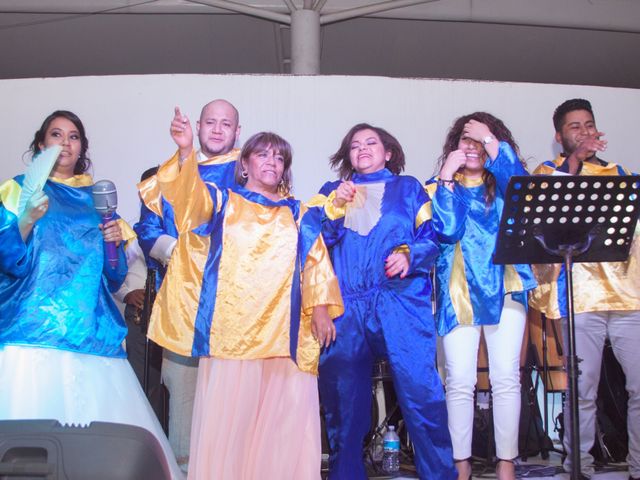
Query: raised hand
{"x": 476, "y": 130}
{"x": 589, "y": 145}
{"x": 182, "y": 133}
{"x": 454, "y": 162}
{"x": 345, "y": 193}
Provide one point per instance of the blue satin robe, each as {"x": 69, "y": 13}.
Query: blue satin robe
{"x": 384, "y": 318}
{"x": 55, "y": 288}
{"x": 470, "y": 288}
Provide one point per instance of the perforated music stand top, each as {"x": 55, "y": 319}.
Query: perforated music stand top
{"x": 565, "y": 210}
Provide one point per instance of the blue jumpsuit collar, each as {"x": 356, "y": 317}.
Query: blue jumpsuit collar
{"x": 383, "y": 175}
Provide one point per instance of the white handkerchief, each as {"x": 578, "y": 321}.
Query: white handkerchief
{"x": 37, "y": 173}
{"x": 363, "y": 213}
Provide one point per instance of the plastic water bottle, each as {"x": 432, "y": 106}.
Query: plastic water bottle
{"x": 391, "y": 454}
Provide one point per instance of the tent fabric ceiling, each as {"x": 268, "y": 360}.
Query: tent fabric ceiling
{"x": 588, "y": 42}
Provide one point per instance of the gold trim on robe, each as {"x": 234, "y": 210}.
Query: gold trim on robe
{"x": 460, "y": 296}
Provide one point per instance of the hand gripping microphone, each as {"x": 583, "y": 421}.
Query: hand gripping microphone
{"x": 105, "y": 199}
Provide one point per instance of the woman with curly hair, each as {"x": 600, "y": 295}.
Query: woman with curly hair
{"x": 473, "y": 295}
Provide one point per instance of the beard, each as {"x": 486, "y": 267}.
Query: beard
{"x": 570, "y": 145}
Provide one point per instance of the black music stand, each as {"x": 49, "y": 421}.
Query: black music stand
{"x": 145, "y": 317}
{"x": 576, "y": 218}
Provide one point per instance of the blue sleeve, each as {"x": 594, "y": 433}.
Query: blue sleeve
{"x": 149, "y": 228}
{"x": 504, "y": 166}
{"x": 15, "y": 255}
{"x": 450, "y": 210}
{"x": 115, "y": 276}
{"x": 332, "y": 229}
{"x": 424, "y": 250}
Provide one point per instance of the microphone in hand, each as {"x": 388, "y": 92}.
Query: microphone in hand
{"x": 105, "y": 199}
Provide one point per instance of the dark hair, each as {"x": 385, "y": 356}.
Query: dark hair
{"x": 84, "y": 163}
{"x": 570, "y": 106}
{"x": 149, "y": 172}
{"x": 499, "y": 130}
{"x": 341, "y": 160}
{"x": 262, "y": 141}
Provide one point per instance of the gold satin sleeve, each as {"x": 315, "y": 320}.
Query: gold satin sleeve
{"x": 319, "y": 287}
{"x": 150, "y": 194}
{"x": 431, "y": 189}
{"x": 543, "y": 169}
{"x": 319, "y": 282}
{"x": 424, "y": 214}
{"x": 10, "y": 195}
{"x": 173, "y": 315}
{"x": 333, "y": 212}
{"x": 127, "y": 232}
{"x": 317, "y": 200}
{"x": 402, "y": 249}
{"x": 183, "y": 188}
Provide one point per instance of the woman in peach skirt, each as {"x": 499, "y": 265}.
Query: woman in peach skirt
{"x": 264, "y": 295}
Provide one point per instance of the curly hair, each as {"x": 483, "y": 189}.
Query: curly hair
{"x": 341, "y": 160}
{"x": 84, "y": 163}
{"x": 499, "y": 130}
{"x": 262, "y": 141}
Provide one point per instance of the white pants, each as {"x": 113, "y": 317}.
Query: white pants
{"x": 504, "y": 342}
{"x": 179, "y": 374}
{"x": 591, "y": 329}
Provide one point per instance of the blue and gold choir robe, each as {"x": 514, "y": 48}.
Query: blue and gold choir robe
{"x": 156, "y": 214}
{"x": 244, "y": 276}
{"x": 470, "y": 288}
{"x": 597, "y": 286}
{"x": 55, "y": 287}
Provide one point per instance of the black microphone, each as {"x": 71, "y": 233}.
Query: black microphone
{"x": 105, "y": 199}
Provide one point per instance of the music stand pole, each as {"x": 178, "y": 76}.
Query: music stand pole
{"x": 149, "y": 297}
{"x": 568, "y": 252}
{"x": 572, "y": 369}
{"x": 545, "y": 372}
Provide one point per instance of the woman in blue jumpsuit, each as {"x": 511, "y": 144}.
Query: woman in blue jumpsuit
{"x": 377, "y": 226}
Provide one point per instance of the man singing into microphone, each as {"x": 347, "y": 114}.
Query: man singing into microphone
{"x": 218, "y": 130}
{"x": 606, "y": 295}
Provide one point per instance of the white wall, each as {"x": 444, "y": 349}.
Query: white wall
{"x": 127, "y": 117}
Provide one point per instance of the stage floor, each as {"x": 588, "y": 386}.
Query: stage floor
{"x": 536, "y": 468}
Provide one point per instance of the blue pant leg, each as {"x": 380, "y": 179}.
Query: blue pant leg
{"x": 345, "y": 395}
{"x": 410, "y": 338}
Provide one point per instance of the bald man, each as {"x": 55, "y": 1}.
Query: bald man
{"x": 218, "y": 130}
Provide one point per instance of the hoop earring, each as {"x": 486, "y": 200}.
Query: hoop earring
{"x": 244, "y": 174}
